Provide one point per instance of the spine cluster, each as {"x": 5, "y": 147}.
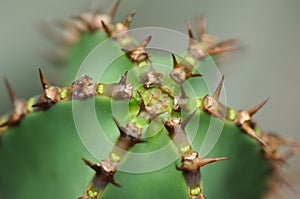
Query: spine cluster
{"x": 169, "y": 113}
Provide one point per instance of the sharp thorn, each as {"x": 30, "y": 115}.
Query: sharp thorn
{"x": 196, "y": 75}
{"x": 184, "y": 122}
{"x": 91, "y": 165}
{"x": 125, "y": 50}
{"x": 4, "y": 124}
{"x": 246, "y": 127}
{"x": 204, "y": 161}
{"x": 175, "y": 64}
{"x": 217, "y": 92}
{"x": 44, "y": 82}
{"x": 129, "y": 18}
{"x": 112, "y": 181}
{"x": 191, "y": 36}
{"x": 226, "y": 43}
{"x": 154, "y": 116}
{"x": 123, "y": 78}
{"x": 179, "y": 168}
{"x": 142, "y": 104}
{"x": 183, "y": 93}
{"x": 218, "y": 50}
{"x": 106, "y": 29}
{"x": 220, "y": 116}
{"x": 122, "y": 130}
{"x": 146, "y": 41}
{"x": 256, "y": 108}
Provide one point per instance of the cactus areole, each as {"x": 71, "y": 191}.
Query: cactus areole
{"x": 137, "y": 121}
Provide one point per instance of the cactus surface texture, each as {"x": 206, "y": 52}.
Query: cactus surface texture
{"x": 146, "y": 126}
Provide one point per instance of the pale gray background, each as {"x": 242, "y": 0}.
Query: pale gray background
{"x": 268, "y": 65}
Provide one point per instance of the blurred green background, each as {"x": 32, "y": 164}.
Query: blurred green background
{"x": 266, "y": 66}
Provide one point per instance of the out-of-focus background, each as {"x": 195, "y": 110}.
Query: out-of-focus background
{"x": 266, "y": 66}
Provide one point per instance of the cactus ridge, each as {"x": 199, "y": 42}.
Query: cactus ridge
{"x": 155, "y": 101}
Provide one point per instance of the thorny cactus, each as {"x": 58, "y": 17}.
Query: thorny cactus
{"x": 155, "y": 121}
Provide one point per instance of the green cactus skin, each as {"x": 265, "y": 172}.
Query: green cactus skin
{"x": 43, "y": 151}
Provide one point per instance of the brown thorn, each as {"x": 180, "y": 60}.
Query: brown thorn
{"x": 246, "y": 127}
{"x": 217, "y": 92}
{"x": 44, "y": 82}
{"x": 113, "y": 9}
{"x": 204, "y": 161}
{"x": 183, "y": 93}
{"x": 112, "y": 181}
{"x": 129, "y": 18}
{"x": 218, "y": 50}
{"x": 106, "y": 29}
{"x": 175, "y": 64}
{"x": 142, "y": 104}
{"x": 123, "y": 78}
{"x": 146, "y": 41}
{"x": 125, "y": 50}
{"x": 226, "y": 43}
{"x": 191, "y": 36}
{"x": 120, "y": 127}
{"x": 179, "y": 168}
{"x": 10, "y": 90}
{"x": 256, "y": 108}
{"x": 155, "y": 115}
{"x": 196, "y": 75}
{"x": 4, "y": 124}
{"x": 139, "y": 141}
{"x": 38, "y": 104}
{"x": 184, "y": 122}
{"x": 220, "y": 116}
{"x": 91, "y": 165}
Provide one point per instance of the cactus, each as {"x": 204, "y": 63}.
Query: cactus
{"x": 149, "y": 125}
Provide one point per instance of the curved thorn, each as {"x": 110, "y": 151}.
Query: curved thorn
{"x": 120, "y": 127}
{"x": 217, "y": 92}
{"x": 175, "y": 64}
{"x": 256, "y": 108}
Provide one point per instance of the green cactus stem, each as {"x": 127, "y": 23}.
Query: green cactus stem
{"x": 148, "y": 131}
